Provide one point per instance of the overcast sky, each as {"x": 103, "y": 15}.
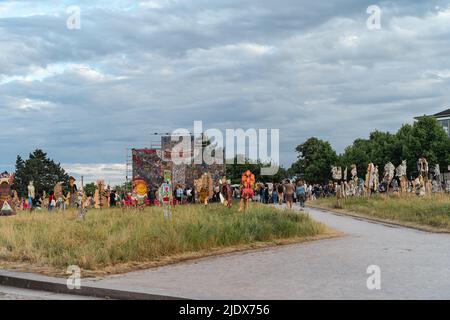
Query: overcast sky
{"x": 308, "y": 68}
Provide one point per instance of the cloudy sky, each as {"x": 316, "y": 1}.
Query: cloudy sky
{"x": 309, "y": 68}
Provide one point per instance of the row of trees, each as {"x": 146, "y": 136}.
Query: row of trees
{"x": 234, "y": 171}
{"x": 425, "y": 138}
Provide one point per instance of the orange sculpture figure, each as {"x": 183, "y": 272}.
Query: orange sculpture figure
{"x": 247, "y": 193}
{"x": 205, "y": 188}
{"x": 140, "y": 187}
{"x": 140, "y": 190}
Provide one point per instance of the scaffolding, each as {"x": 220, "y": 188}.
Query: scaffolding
{"x": 155, "y": 143}
{"x": 128, "y": 166}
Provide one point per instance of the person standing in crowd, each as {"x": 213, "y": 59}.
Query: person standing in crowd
{"x": 189, "y": 195}
{"x": 151, "y": 195}
{"x": 37, "y": 203}
{"x": 289, "y": 190}
{"x": 275, "y": 195}
{"x": 280, "y": 192}
{"x": 112, "y": 199}
{"x": 216, "y": 195}
{"x": 309, "y": 192}
{"x": 261, "y": 193}
{"x": 179, "y": 194}
{"x": 270, "y": 186}
{"x": 194, "y": 194}
{"x": 51, "y": 201}
{"x": 301, "y": 193}
{"x": 266, "y": 193}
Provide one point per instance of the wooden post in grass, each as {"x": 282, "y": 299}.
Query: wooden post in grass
{"x": 81, "y": 209}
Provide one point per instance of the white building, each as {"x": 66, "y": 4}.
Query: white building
{"x": 444, "y": 119}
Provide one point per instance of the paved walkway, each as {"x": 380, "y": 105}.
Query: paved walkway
{"x": 11, "y": 293}
{"x": 414, "y": 265}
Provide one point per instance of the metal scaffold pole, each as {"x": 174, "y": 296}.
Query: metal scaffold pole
{"x": 128, "y": 167}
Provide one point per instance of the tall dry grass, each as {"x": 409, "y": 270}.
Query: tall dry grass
{"x": 111, "y": 237}
{"x": 432, "y": 211}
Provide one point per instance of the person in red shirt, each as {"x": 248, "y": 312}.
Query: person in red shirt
{"x": 51, "y": 201}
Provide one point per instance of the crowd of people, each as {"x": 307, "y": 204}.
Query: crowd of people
{"x": 289, "y": 192}
{"x": 301, "y": 191}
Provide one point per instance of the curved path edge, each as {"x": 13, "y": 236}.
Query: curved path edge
{"x": 56, "y": 285}
{"x": 388, "y": 223}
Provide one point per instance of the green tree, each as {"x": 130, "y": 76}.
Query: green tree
{"x": 378, "y": 149}
{"x": 425, "y": 138}
{"x": 124, "y": 188}
{"x": 358, "y": 153}
{"x": 89, "y": 189}
{"x": 38, "y": 168}
{"x": 315, "y": 159}
{"x": 235, "y": 170}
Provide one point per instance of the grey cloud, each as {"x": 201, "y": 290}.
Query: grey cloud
{"x": 307, "y": 68}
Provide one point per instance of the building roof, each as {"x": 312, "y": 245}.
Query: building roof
{"x": 442, "y": 114}
{"x": 438, "y": 115}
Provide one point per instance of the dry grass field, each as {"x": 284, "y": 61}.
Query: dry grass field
{"x": 113, "y": 241}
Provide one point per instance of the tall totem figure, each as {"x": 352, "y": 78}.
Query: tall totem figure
{"x": 354, "y": 180}
{"x": 400, "y": 172}
{"x": 101, "y": 195}
{"x": 419, "y": 185}
{"x": 389, "y": 174}
{"x": 423, "y": 169}
{"x": 166, "y": 195}
{"x": 140, "y": 190}
{"x": 7, "y": 207}
{"x": 336, "y": 173}
{"x": 31, "y": 194}
{"x": 73, "y": 193}
{"x": 15, "y": 200}
{"x": 59, "y": 196}
{"x": 206, "y": 188}
{"x": 437, "y": 186}
{"x": 247, "y": 193}
{"x": 372, "y": 179}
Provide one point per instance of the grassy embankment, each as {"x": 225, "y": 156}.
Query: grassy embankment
{"x": 112, "y": 241}
{"x": 430, "y": 213}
